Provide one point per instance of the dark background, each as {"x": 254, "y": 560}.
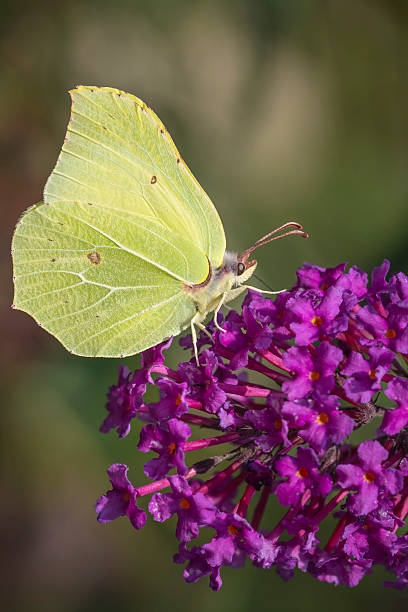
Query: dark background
{"x": 284, "y": 110}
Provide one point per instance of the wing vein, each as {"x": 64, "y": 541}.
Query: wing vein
{"x": 36, "y": 297}
{"x": 72, "y": 314}
{"x": 180, "y": 188}
{"x": 119, "y": 244}
{"x": 127, "y": 319}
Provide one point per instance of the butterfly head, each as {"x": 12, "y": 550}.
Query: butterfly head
{"x": 245, "y": 265}
{"x": 245, "y": 268}
{"x": 237, "y": 269}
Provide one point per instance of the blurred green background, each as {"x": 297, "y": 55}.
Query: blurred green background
{"x": 284, "y": 110}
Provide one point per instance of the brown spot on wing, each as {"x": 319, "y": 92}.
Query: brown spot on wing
{"x": 94, "y": 257}
{"x": 153, "y": 180}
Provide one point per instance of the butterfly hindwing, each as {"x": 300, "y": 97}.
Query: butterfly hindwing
{"x": 81, "y": 280}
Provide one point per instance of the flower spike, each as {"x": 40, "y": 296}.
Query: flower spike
{"x": 274, "y": 400}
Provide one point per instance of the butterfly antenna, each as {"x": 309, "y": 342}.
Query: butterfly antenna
{"x": 297, "y": 229}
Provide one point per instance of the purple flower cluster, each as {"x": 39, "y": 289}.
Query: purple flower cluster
{"x": 280, "y": 392}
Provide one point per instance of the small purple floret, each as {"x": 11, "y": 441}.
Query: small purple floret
{"x": 166, "y": 439}
{"x": 120, "y": 500}
{"x": 193, "y": 510}
{"x": 368, "y": 477}
{"x": 302, "y": 472}
{"x": 124, "y": 400}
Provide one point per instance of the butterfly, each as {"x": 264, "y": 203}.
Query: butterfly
{"x": 126, "y": 248}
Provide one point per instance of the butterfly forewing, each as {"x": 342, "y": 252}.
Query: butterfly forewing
{"x": 117, "y": 154}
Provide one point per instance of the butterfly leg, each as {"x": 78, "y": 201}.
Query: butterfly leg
{"x": 217, "y": 310}
{"x": 234, "y": 293}
{"x": 205, "y": 330}
{"x": 194, "y": 336}
{"x": 196, "y": 321}
{"x": 263, "y": 291}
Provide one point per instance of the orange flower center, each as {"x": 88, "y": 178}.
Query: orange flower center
{"x": 232, "y": 530}
{"x": 278, "y": 424}
{"x": 178, "y": 400}
{"x": 373, "y": 374}
{"x": 369, "y": 477}
{"x": 172, "y": 448}
{"x": 317, "y": 321}
{"x": 126, "y": 497}
{"x": 184, "y": 503}
{"x": 302, "y": 472}
{"x": 390, "y": 333}
{"x": 323, "y": 418}
{"x": 314, "y": 376}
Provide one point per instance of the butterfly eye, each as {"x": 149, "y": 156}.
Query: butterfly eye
{"x": 240, "y": 268}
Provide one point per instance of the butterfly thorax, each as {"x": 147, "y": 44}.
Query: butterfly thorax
{"x": 220, "y": 282}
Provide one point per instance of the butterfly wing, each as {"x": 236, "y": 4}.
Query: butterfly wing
{"x": 102, "y": 263}
{"x": 101, "y": 280}
{"x": 118, "y": 154}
